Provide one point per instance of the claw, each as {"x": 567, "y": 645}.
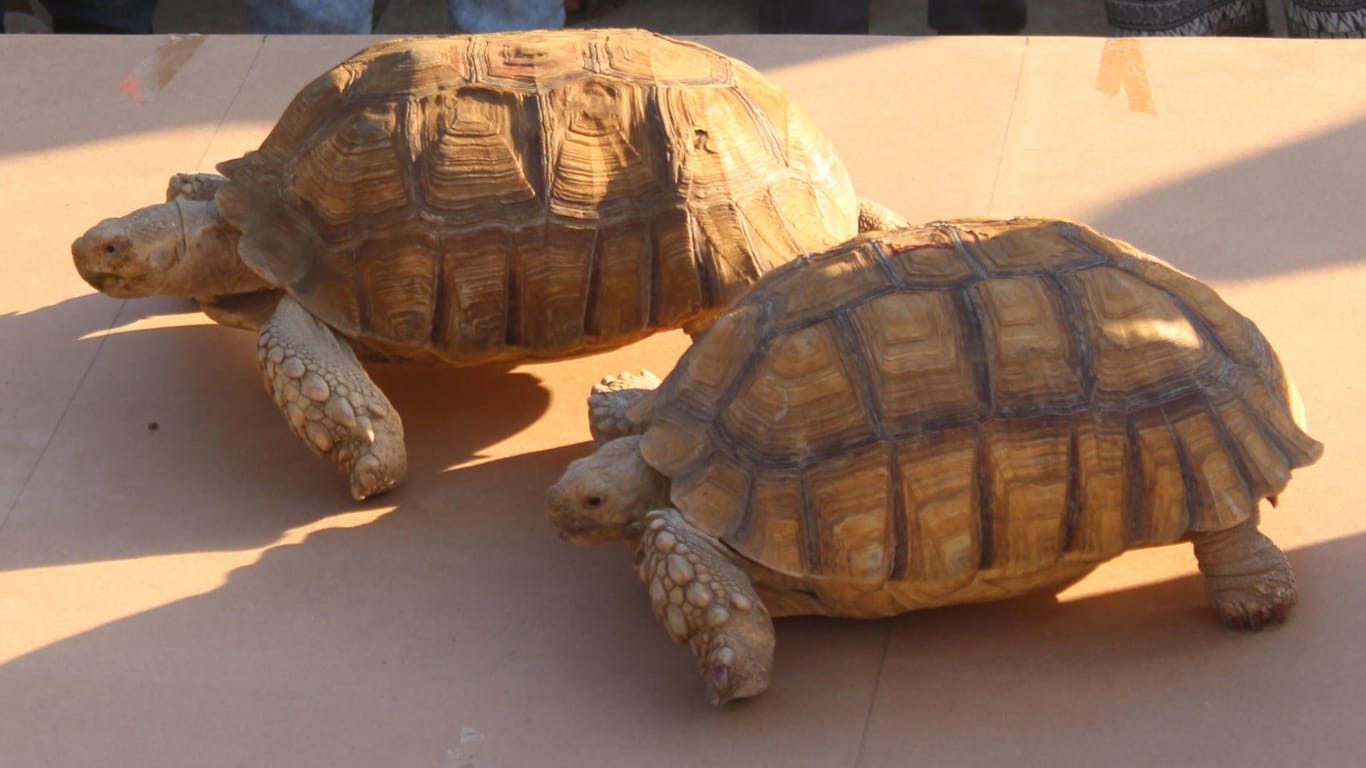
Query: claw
{"x": 720, "y": 680}
{"x": 367, "y": 480}
{"x": 718, "y": 685}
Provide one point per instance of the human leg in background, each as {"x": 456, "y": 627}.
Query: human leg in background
{"x": 311, "y": 17}
{"x": 977, "y": 17}
{"x": 102, "y": 17}
{"x": 504, "y": 15}
{"x": 1170, "y": 18}
{"x": 813, "y": 17}
{"x": 1326, "y": 18}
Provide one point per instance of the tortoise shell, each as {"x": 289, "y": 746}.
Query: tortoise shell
{"x": 470, "y": 199}
{"x": 968, "y": 410}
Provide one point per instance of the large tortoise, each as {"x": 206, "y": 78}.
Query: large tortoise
{"x": 958, "y": 412}
{"x": 481, "y": 199}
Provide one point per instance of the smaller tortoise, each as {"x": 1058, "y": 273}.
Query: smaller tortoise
{"x": 959, "y": 412}
{"x": 480, "y": 199}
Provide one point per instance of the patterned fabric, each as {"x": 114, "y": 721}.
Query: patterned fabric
{"x": 1186, "y": 17}
{"x": 1326, "y": 18}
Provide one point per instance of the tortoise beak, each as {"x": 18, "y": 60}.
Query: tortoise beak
{"x": 106, "y": 262}
{"x": 559, "y": 509}
{"x": 570, "y": 526}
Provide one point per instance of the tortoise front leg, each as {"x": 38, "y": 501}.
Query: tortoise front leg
{"x": 329, "y": 401}
{"x": 875, "y": 216}
{"x": 706, "y": 601}
{"x": 194, "y": 186}
{"x": 1247, "y": 578}
{"x": 615, "y": 405}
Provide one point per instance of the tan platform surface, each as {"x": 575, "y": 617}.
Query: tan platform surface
{"x": 205, "y": 593}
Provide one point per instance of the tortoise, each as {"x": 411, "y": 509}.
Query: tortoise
{"x": 956, "y": 412}
{"x": 484, "y": 199}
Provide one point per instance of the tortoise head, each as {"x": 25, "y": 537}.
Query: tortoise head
{"x": 175, "y": 248}
{"x": 600, "y": 497}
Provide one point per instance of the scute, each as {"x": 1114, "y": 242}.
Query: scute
{"x": 966, "y": 410}
{"x": 593, "y": 186}
{"x": 671, "y": 62}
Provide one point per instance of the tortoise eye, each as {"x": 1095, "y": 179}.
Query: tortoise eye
{"x": 593, "y": 501}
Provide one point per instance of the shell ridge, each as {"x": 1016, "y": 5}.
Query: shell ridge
{"x": 1271, "y": 434}
{"x": 860, "y": 373}
{"x": 793, "y": 237}
{"x": 593, "y": 276}
{"x": 595, "y": 57}
{"x": 408, "y": 152}
{"x": 1077, "y": 319}
{"x": 810, "y": 527}
{"x": 356, "y": 277}
{"x": 512, "y": 308}
{"x": 1192, "y": 502}
{"x": 761, "y": 125}
{"x": 744, "y": 522}
{"x": 441, "y": 307}
{"x": 835, "y": 309}
{"x": 1134, "y": 461}
{"x": 702, "y": 255}
{"x": 878, "y": 251}
{"x": 550, "y": 140}
{"x": 985, "y": 507}
{"x": 1230, "y": 449}
{"x": 1072, "y": 515}
{"x": 653, "y": 293}
{"x": 900, "y": 535}
{"x": 646, "y": 292}
{"x": 1069, "y": 232}
{"x": 964, "y": 248}
{"x": 476, "y": 55}
{"x": 974, "y": 339}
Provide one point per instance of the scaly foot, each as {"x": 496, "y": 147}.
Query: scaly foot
{"x": 613, "y": 405}
{"x": 705, "y": 601}
{"x": 1247, "y": 578}
{"x": 329, "y": 401}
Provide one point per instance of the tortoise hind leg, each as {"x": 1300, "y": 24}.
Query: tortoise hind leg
{"x": 1247, "y": 578}
{"x": 707, "y": 602}
{"x": 329, "y": 401}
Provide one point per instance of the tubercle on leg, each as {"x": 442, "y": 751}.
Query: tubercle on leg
{"x": 706, "y": 604}
{"x": 337, "y": 419}
{"x": 685, "y": 594}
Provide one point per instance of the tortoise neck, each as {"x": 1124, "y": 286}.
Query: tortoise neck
{"x": 209, "y": 267}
